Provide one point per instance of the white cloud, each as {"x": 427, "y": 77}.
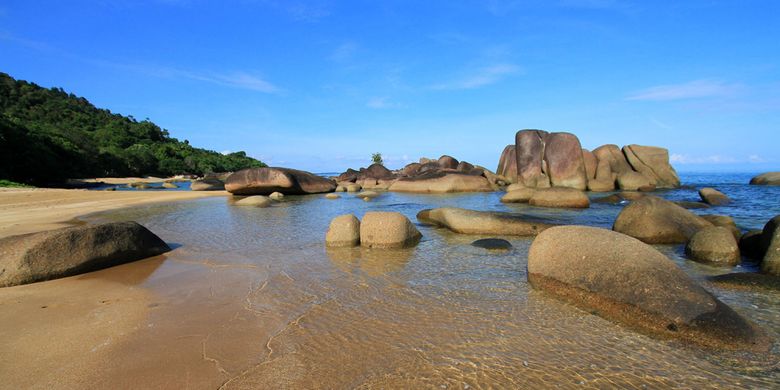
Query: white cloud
{"x": 482, "y": 77}
{"x": 689, "y": 90}
{"x": 381, "y": 103}
{"x": 684, "y": 159}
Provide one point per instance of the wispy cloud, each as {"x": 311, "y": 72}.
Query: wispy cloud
{"x": 344, "y": 52}
{"x": 381, "y": 103}
{"x": 685, "y": 159}
{"x": 480, "y": 78}
{"x": 689, "y": 90}
{"x": 236, "y": 80}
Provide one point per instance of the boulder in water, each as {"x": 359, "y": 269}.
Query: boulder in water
{"x": 769, "y": 178}
{"x": 627, "y": 281}
{"x": 264, "y": 181}
{"x": 714, "y": 244}
{"x": 653, "y": 162}
{"x": 207, "y": 185}
{"x": 559, "y": 197}
{"x": 255, "y": 201}
{"x": 386, "y": 229}
{"x": 481, "y": 222}
{"x": 658, "y": 221}
{"x": 344, "y": 231}
{"x": 522, "y": 195}
{"x": 713, "y": 197}
{"x": 442, "y": 182}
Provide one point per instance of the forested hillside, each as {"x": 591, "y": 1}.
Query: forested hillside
{"x": 49, "y": 135}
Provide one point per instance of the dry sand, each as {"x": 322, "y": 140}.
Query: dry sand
{"x": 28, "y": 210}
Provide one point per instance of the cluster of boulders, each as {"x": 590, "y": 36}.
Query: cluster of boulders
{"x": 540, "y": 159}
{"x": 36, "y": 257}
{"x": 379, "y": 229}
{"x": 443, "y": 175}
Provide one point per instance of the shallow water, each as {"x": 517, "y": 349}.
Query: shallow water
{"x": 250, "y": 298}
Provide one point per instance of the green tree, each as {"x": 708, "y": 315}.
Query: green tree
{"x": 376, "y": 158}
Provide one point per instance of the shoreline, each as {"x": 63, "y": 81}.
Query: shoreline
{"x": 30, "y": 210}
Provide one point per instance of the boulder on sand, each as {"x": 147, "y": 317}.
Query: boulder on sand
{"x": 769, "y": 178}
{"x": 653, "y": 162}
{"x": 344, "y": 231}
{"x": 263, "y": 181}
{"x": 442, "y": 182}
{"x": 481, "y": 222}
{"x": 714, "y": 244}
{"x": 658, "y": 221}
{"x": 559, "y": 197}
{"x": 627, "y": 281}
{"x": 386, "y": 229}
{"x": 713, "y": 197}
{"x": 35, "y": 257}
{"x": 207, "y": 185}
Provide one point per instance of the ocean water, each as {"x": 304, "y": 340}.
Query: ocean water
{"x": 251, "y": 298}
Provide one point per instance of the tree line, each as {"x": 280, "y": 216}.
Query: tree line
{"x": 49, "y": 135}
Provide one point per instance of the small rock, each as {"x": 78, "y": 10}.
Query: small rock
{"x": 713, "y": 197}
{"x": 332, "y": 196}
{"x": 344, "y": 231}
{"x": 276, "y": 195}
{"x": 169, "y": 185}
{"x": 256, "y": 200}
{"x": 492, "y": 244}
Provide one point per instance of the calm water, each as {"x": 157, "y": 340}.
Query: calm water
{"x": 251, "y": 298}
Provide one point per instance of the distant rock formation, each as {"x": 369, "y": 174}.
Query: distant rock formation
{"x": 540, "y": 159}
{"x": 443, "y": 175}
{"x": 264, "y": 181}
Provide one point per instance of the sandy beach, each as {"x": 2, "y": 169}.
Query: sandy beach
{"x": 27, "y": 210}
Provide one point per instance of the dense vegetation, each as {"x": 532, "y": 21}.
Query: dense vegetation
{"x": 48, "y": 135}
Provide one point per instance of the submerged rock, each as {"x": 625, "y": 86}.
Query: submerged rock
{"x": 769, "y": 178}
{"x": 627, "y": 281}
{"x": 714, "y": 244}
{"x": 386, "y": 229}
{"x": 658, "y": 221}
{"x": 492, "y": 244}
{"x": 691, "y": 205}
{"x": 263, "y": 181}
{"x": 75, "y": 250}
{"x": 559, "y": 197}
{"x": 481, "y": 222}
{"x": 344, "y": 231}
{"x": 713, "y": 197}
{"x": 746, "y": 280}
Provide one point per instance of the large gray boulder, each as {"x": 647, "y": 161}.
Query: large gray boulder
{"x": 75, "y": 250}
{"x": 264, "y": 181}
{"x": 652, "y": 162}
{"x": 530, "y": 153}
{"x": 565, "y": 164}
{"x": 714, "y": 244}
{"x": 481, "y": 222}
{"x": 658, "y": 221}
{"x": 387, "y": 230}
{"x": 769, "y": 178}
{"x": 627, "y": 281}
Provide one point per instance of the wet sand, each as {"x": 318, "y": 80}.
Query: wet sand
{"x": 26, "y": 210}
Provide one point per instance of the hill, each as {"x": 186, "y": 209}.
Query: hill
{"x": 49, "y": 135}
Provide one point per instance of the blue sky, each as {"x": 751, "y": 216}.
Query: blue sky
{"x": 320, "y": 85}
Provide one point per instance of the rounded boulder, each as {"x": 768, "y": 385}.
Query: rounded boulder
{"x": 387, "y": 229}
{"x": 344, "y": 231}
{"x": 715, "y": 244}
{"x": 560, "y": 197}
